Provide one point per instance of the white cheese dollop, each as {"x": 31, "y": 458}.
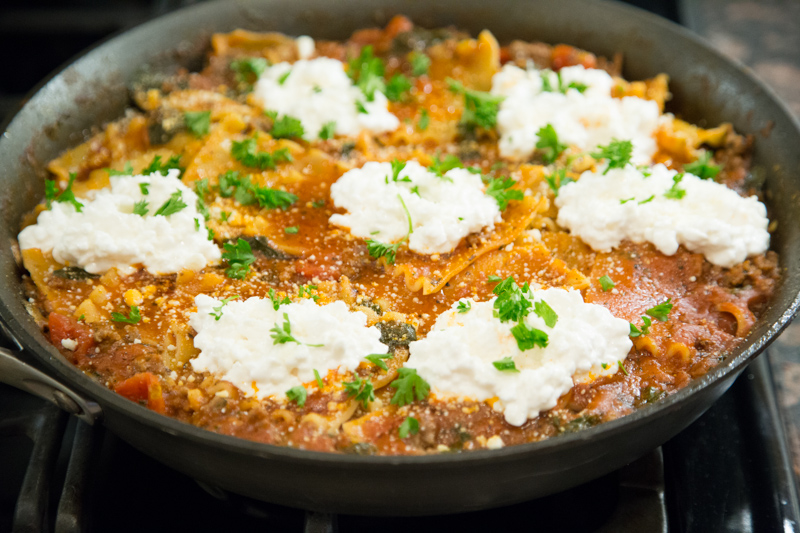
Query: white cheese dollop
{"x": 585, "y": 119}
{"x": 240, "y": 348}
{"x": 107, "y": 234}
{"x": 318, "y": 91}
{"x": 305, "y": 46}
{"x": 445, "y": 211}
{"x": 456, "y": 357}
{"x": 710, "y": 219}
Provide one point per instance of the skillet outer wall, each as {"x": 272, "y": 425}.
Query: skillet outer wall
{"x": 708, "y": 89}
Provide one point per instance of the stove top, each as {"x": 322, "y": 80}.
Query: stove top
{"x": 730, "y": 471}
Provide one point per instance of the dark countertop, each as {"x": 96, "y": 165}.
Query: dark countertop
{"x": 765, "y": 36}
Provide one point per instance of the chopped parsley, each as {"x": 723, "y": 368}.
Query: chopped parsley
{"x": 286, "y": 127}
{"x": 546, "y": 313}
{"x": 409, "y": 386}
{"x": 291, "y": 230}
{"x": 366, "y": 71}
{"x": 217, "y": 314}
{"x": 661, "y": 311}
{"x": 494, "y": 278}
{"x": 606, "y": 283}
{"x": 702, "y": 168}
{"x": 361, "y": 389}
{"x": 248, "y": 69}
{"x": 410, "y": 426}
{"x": 320, "y": 383}
{"x": 622, "y": 367}
{"x": 636, "y": 332}
{"x": 223, "y": 216}
{"x": 360, "y": 107}
{"x": 305, "y": 290}
{"x": 171, "y": 206}
{"x": 246, "y": 153}
{"x": 274, "y": 198}
{"x": 617, "y": 153}
{"x": 133, "y": 317}
{"x": 66, "y": 196}
{"x": 548, "y": 144}
{"x": 239, "y": 257}
{"x": 198, "y": 122}
{"x": 328, "y": 130}
{"x": 415, "y": 190}
{"x": 284, "y": 77}
{"x": 297, "y": 394}
{"x": 283, "y": 334}
{"x": 377, "y": 359}
{"x": 626, "y": 200}
{"x": 231, "y": 183}
{"x": 557, "y": 179}
{"x": 528, "y": 337}
{"x": 511, "y": 303}
{"x": 397, "y": 168}
{"x": 278, "y": 302}
{"x": 140, "y": 208}
{"x": 378, "y": 249}
{"x": 126, "y": 171}
{"x": 143, "y": 188}
{"x": 419, "y": 63}
{"x": 500, "y": 189}
{"x": 675, "y": 192}
{"x": 547, "y": 85}
{"x": 480, "y": 108}
{"x": 647, "y": 200}
{"x": 441, "y": 166}
{"x": 174, "y": 162}
{"x": 464, "y": 306}
{"x": 424, "y": 120}
{"x": 505, "y": 365}
{"x": 396, "y": 87}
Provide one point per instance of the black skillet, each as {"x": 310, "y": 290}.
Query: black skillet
{"x": 708, "y": 89}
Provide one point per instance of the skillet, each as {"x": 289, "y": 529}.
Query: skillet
{"x": 708, "y": 89}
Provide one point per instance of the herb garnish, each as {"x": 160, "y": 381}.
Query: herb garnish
{"x": 248, "y": 69}
{"x": 132, "y": 318}
{"x": 622, "y": 367}
{"x": 480, "y": 108}
{"x": 702, "y": 168}
{"x": 513, "y": 305}
{"x": 606, "y": 283}
{"x": 505, "y": 365}
{"x": 675, "y": 192}
{"x": 661, "y": 311}
{"x": 398, "y": 85}
{"x": 424, "y": 120}
{"x": 140, "y": 208}
{"x": 143, "y": 188}
{"x": 198, "y": 122}
{"x": 410, "y": 426}
{"x": 409, "y": 386}
{"x": 647, "y": 200}
{"x": 171, "y": 206}
{"x": 366, "y": 71}
{"x": 377, "y": 359}
{"x": 163, "y": 168}
{"x": 284, "y": 77}
{"x": 617, "y": 153}
{"x": 557, "y": 179}
{"x": 286, "y": 127}
{"x": 528, "y": 337}
{"x": 217, "y": 314}
{"x": 297, "y": 394}
{"x": 546, "y": 313}
{"x": 239, "y": 257}
{"x": 547, "y": 85}
{"x": 378, "y": 249}
{"x": 500, "y": 189}
{"x": 306, "y": 290}
{"x": 283, "y": 334}
{"x": 277, "y": 302}
{"x": 291, "y": 230}
{"x": 464, "y": 306}
{"x": 66, "y": 196}
{"x": 419, "y": 63}
{"x": 636, "y": 332}
{"x": 246, "y": 153}
{"x": 397, "y": 168}
{"x": 362, "y": 389}
{"x": 126, "y": 171}
{"x": 328, "y": 130}
{"x": 548, "y": 144}
{"x": 320, "y": 383}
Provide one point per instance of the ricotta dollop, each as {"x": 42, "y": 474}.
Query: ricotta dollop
{"x": 106, "y": 233}
{"x": 710, "y": 218}
{"x": 239, "y": 346}
{"x": 584, "y": 119}
{"x": 443, "y": 210}
{"x": 456, "y": 357}
{"x": 317, "y": 91}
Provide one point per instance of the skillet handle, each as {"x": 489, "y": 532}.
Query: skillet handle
{"x": 25, "y": 377}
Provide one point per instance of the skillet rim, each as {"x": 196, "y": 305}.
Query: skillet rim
{"x": 71, "y": 376}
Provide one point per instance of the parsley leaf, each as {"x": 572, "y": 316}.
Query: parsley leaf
{"x": 362, "y": 389}
{"x": 397, "y": 168}
{"x": 424, "y": 120}
{"x": 378, "y": 249}
{"x": 66, "y": 196}
{"x": 409, "y": 386}
{"x": 163, "y": 168}
{"x": 622, "y": 367}
{"x": 675, "y": 192}
{"x": 239, "y": 257}
{"x": 661, "y": 311}
{"x": 171, "y": 206}
{"x": 273, "y": 198}
{"x": 398, "y": 85}
{"x": 320, "y": 383}
{"x": 126, "y": 171}
{"x": 557, "y": 179}
{"x": 360, "y": 107}
{"x": 306, "y": 290}
{"x": 647, "y": 200}
{"x": 606, "y": 283}
{"x": 419, "y": 63}
{"x": 140, "y": 208}
{"x": 283, "y": 77}
{"x": 246, "y": 153}
{"x": 500, "y": 189}
{"x": 617, "y": 153}
{"x": 291, "y": 230}
{"x": 277, "y": 302}
{"x": 702, "y": 168}
{"x": 546, "y": 313}
{"x": 287, "y": 127}
{"x": 297, "y": 394}
{"x": 328, "y": 130}
{"x": 547, "y": 85}
{"x": 505, "y": 365}
{"x": 480, "y": 108}
{"x": 217, "y": 314}
{"x": 441, "y": 166}
{"x": 366, "y": 71}
{"x": 548, "y": 143}
{"x": 528, "y": 337}
{"x": 248, "y": 69}
{"x": 376, "y": 359}
{"x": 198, "y": 122}
{"x": 143, "y": 188}
{"x": 133, "y": 317}
{"x": 50, "y": 192}
{"x": 511, "y": 303}
{"x": 636, "y": 332}
{"x": 494, "y": 278}
{"x": 283, "y": 334}
{"x": 410, "y": 426}
{"x": 464, "y": 306}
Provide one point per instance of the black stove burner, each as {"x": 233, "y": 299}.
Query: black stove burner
{"x": 728, "y": 472}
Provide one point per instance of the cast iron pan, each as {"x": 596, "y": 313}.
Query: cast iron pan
{"x": 708, "y": 89}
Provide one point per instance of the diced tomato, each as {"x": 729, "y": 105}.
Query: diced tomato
{"x": 568, "y": 56}
{"x": 144, "y": 388}
{"x": 323, "y": 272}
{"x": 65, "y": 327}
